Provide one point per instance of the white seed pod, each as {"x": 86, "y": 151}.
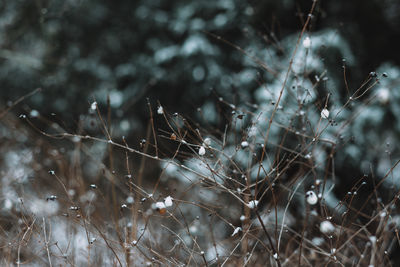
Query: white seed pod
{"x": 160, "y": 110}
{"x": 311, "y": 197}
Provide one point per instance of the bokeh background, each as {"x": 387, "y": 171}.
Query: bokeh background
{"x": 77, "y": 50}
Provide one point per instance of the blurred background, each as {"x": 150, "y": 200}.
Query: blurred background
{"x": 80, "y": 50}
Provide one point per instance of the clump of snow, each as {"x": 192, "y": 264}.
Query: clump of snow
{"x": 311, "y": 197}
{"x": 52, "y": 198}
{"x": 160, "y": 205}
{"x": 160, "y": 110}
{"x": 93, "y": 106}
{"x": 168, "y": 201}
{"x": 325, "y": 113}
{"x": 202, "y": 151}
{"x": 252, "y": 204}
{"x": 207, "y": 141}
{"x": 326, "y": 227}
{"x": 237, "y": 229}
{"x": 244, "y": 144}
{"x": 372, "y": 239}
{"x": 307, "y": 42}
